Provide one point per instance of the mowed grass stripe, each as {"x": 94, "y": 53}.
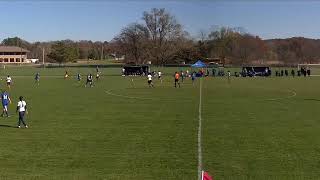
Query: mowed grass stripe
{"x": 249, "y": 139}
{"x": 82, "y": 133}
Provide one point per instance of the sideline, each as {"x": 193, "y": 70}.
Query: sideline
{"x": 199, "y": 133}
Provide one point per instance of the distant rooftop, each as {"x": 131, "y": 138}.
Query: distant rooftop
{"x": 12, "y": 49}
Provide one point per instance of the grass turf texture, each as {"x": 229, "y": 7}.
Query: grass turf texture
{"x": 86, "y": 133}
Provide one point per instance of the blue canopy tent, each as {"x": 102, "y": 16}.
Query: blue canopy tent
{"x": 199, "y": 64}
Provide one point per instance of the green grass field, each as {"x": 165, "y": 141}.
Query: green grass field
{"x": 253, "y": 128}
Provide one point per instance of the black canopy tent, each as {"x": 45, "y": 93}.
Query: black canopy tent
{"x": 256, "y": 71}
{"x": 136, "y": 70}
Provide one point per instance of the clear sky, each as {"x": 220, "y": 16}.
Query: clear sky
{"x": 101, "y": 20}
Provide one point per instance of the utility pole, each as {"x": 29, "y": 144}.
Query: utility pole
{"x": 43, "y": 58}
{"x": 20, "y": 54}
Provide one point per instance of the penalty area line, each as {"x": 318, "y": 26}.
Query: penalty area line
{"x": 293, "y": 94}
{"x": 124, "y": 96}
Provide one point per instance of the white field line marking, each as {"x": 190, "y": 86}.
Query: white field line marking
{"x": 199, "y": 133}
{"x": 293, "y": 94}
{"x": 31, "y": 76}
{"x": 132, "y": 97}
{"x": 124, "y": 96}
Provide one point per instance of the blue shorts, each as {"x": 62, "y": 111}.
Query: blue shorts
{"x": 5, "y": 104}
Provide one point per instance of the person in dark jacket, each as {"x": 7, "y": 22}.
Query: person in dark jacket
{"x": 293, "y": 73}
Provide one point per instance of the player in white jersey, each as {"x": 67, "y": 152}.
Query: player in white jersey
{"x": 66, "y": 75}
{"x": 150, "y": 80}
{"x": 9, "y": 81}
{"x": 159, "y": 76}
{"x": 98, "y": 76}
{"x": 22, "y": 109}
{"x": 89, "y": 80}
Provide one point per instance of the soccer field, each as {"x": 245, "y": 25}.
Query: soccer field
{"x": 252, "y": 128}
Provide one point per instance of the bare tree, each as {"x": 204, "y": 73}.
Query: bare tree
{"x": 221, "y": 42}
{"x": 133, "y": 40}
{"x": 164, "y": 30}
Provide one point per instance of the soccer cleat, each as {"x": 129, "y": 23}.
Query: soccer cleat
{"x": 19, "y": 127}
{"x": 27, "y": 127}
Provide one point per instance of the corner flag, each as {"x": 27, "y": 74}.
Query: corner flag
{"x": 205, "y": 176}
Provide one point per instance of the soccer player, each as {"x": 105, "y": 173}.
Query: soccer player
{"x": 79, "y": 77}
{"x": 182, "y": 76}
{"x": 159, "y": 76}
{"x": 89, "y": 80}
{"x": 9, "y": 81}
{"x": 293, "y": 73}
{"x": 176, "y": 79}
{"x": 123, "y": 71}
{"x": 229, "y": 76}
{"x": 22, "y": 109}
{"x": 37, "y": 78}
{"x": 66, "y": 75}
{"x": 97, "y": 69}
{"x": 193, "y": 77}
{"x": 150, "y": 80}
{"x": 5, "y": 102}
{"x": 98, "y": 76}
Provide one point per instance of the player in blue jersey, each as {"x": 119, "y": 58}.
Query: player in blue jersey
{"x": 37, "y": 78}
{"x": 5, "y": 102}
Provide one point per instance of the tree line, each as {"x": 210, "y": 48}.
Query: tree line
{"x": 64, "y": 50}
{"x": 161, "y": 39}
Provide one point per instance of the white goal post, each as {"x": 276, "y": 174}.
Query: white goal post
{"x": 315, "y": 68}
{"x": 307, "y": 65}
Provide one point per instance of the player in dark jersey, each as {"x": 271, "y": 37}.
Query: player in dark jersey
{"x": 37, "y": 78}
{"x": 89, "y": 80}
{"x": 79, "y": 77}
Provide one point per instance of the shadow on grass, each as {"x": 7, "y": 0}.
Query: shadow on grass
{"x": 6, "y": 126}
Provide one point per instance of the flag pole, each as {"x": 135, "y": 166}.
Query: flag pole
{"x": 202, "y": 175}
